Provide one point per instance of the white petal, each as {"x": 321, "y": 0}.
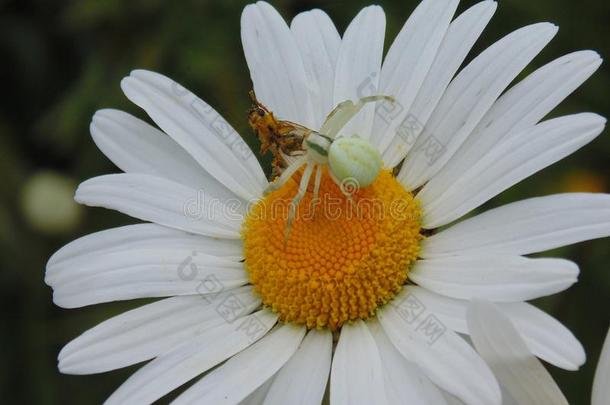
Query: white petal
{"x": 460, "y": 37}
{"x": 500, "y": 344}
{"x": 275, "y": 64}
{"x": 357, "y": 371}
{"x": 318, "y": 40}
{"x": 444, "y": 357}
{"x": 403, "y": 381}
{"x": 358, "y": 66}
{"x": 468, "y": 98}
{"x": 303, "y": 378}
{"x": 505, "y": 164}
{"x": 545, "y": 336}
{"x": 170, "y": 370}
{"x": 164, "y": 202}
{"x": 246, "y": 371}
{"x": 200, "y": 130}
{"x": 145, "y": 273}
{"x": 96, "y": 246}
{"x": 494, "y": 277}
{"x": 451, "y": 400}
{"x": 151, "y": 330}
{"x": 523, "y": 106}
{"x": 257, "y": 397}
{"x": 137, "y": 147}
{"x": 407, "y": 63}
{"x": 527, "y": 226}
{"x": 601, "y": 382}
{"x": 176, "y": 258}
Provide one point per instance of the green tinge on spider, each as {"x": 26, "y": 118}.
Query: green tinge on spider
{"x": 317, "y": 148}
{"x": 354, "y": 159}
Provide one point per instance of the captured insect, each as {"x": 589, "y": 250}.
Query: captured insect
{"x": 284, "y": 139}
{"x": 294, "y": 147}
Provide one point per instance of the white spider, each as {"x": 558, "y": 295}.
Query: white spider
{"x": 349, "y": 159}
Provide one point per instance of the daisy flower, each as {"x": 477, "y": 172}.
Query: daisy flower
{"x": 368, "y": 304}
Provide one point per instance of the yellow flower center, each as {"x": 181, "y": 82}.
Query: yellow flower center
{"x": 344, "y": 257}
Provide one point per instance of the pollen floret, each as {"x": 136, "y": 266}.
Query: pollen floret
{"x": 346, "y": 255}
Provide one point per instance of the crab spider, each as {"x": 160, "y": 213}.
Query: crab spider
{"x": 348, "y": 158}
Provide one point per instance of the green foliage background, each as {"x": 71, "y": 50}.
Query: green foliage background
{"x": 63, "y": 60}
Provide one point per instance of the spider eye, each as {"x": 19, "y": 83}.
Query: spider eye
{"x": 260, "y": 112}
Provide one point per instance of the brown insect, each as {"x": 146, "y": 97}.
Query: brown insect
{"x": 284, "y": 139}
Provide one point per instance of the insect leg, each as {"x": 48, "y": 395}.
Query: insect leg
{"x": 287, "y": 174}
{"x": 344, "y": 112}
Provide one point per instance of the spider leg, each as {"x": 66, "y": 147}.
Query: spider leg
{"x": 287, "y": 174}
{"x": 344, "y": 112}
{"x": 316, "y": 183}
{"x": 297, "y": 198}
{"x": 316, "y": 188}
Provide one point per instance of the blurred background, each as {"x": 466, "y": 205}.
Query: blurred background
{"x": 63, "y": 60}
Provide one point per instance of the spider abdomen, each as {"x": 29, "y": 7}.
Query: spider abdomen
{"x": 354, "y": 159}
